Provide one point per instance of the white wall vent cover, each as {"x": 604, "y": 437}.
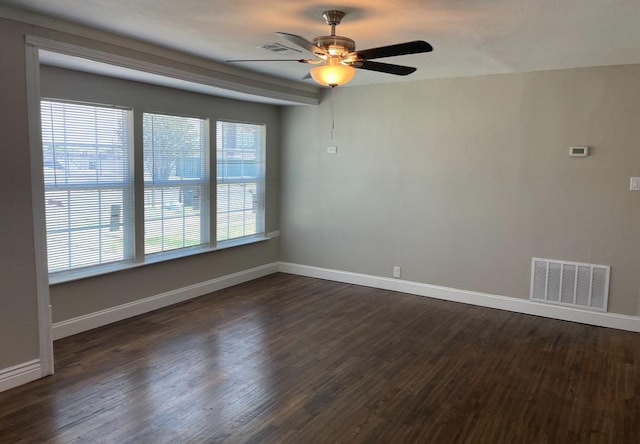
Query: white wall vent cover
{"x": 570, "y": 283}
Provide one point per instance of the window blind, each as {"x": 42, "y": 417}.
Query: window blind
{"x": 88, "y": 184}
{"x": 175, "y": 182}
{"x": 240, "y": 180}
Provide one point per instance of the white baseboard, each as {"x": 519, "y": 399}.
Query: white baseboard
{"x": 20, "y": 374}
{"x": 611, "y": 320}
{"x": 114, "y": 314}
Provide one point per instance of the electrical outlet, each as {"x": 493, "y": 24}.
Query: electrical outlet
{"x": 634, "y": 184}
{"x": 332, "y": 150}
{"x": 396, "y": 272}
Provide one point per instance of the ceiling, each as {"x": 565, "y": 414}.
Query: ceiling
{"x": 470, "y": 37}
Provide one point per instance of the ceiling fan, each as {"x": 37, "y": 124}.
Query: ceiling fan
{"x": 336, "y": 56}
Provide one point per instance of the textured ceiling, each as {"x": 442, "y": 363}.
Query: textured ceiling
{"x": 470, "y": 37}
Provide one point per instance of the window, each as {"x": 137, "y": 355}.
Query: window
{"x": 175, "y": 182}
{"x": 240, "y": 180}
{"x": 88, "y": 184}
{"x": 93, "y": 222}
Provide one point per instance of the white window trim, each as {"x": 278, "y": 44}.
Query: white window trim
{"x": 205, "y": 182}
{"x": 129, "y": 229}
{"x": 141, "y": 259}
{"x": 153, "y": 258}
{"x": 261, "y": 228}
{"x": 45, "y": 338}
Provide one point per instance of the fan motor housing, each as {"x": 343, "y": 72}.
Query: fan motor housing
{"x": 336, "y": 45}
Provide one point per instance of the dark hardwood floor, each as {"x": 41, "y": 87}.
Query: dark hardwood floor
{"x": 288, "y": 359}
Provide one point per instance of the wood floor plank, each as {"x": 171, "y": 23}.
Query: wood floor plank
{"x": 293, "y": 359}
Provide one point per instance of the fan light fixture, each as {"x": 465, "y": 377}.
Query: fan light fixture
{"x": 333, "y": 73}
{"x": 337, "y": 59}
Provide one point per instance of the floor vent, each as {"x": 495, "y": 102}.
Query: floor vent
{"x": 570, "y": 283}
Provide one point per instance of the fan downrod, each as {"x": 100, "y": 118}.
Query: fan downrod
{"x": 333, "y": 18}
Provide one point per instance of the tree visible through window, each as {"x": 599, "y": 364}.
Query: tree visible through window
{"x": 175, "y": 182}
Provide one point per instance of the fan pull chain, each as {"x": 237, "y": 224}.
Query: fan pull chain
{"x": 333, "y": 120}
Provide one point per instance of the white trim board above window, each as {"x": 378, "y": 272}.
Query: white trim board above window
{"x": 251, "y": 87}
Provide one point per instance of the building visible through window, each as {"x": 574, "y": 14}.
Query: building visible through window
{"x": 88, "y": 184}
{"x": 240, "y": 180}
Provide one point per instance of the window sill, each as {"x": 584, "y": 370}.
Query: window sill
{"x": 155, "y": 259}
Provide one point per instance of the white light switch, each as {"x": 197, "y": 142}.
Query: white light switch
{"x": 634, "y": 184}
{"x": 332, "y": 149}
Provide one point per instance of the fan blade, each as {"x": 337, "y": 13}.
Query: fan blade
{"x": 395, "y": 50}
{"x": 274, "y": 60}
{"x": 388, "y": 68}
{"x": 304, "y": 43}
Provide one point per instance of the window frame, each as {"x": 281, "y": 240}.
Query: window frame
{"x": 205, "y": 183}
{"x": 134, "y": 239}
{"x": 261, "y": 187}
{"x": 128, "y": 185}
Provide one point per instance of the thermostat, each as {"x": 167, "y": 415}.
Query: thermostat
{"x": 579, "y": 151}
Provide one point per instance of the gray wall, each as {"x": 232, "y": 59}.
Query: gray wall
{"x": 462, "y": 181}
{"x": 18, "y": 302}
{"x": 78, "y": 298}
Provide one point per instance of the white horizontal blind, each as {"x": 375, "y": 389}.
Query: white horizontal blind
{"x": 240, "y": 154}
{"x": 175, "y": 182}
{"x": 88, "y": 184}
